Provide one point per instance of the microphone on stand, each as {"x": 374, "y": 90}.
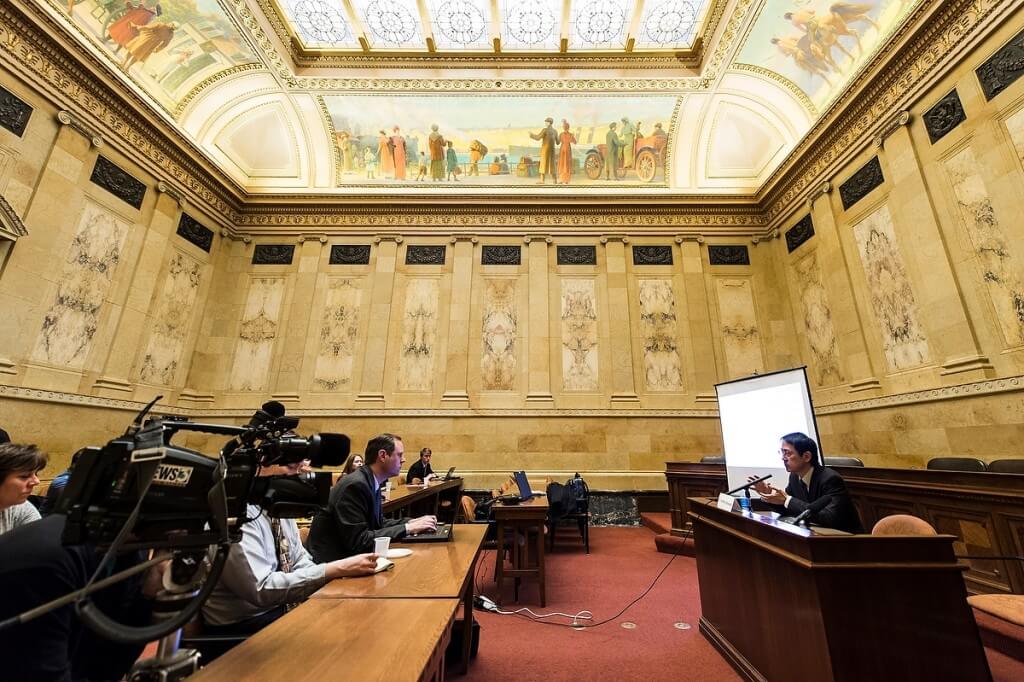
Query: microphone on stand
{"x": 812, "y": 508}
{"x": 746, "y": 488}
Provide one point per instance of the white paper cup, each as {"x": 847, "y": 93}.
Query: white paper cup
{"x": 380, "y": 546}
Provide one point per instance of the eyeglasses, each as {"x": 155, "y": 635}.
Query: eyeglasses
{"x": 787, "y": 453}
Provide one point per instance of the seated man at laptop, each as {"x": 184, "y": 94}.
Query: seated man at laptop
{"x": 420, "y": 472}
{"x": 809, "y": 480}
{"x": 354, "y": 515}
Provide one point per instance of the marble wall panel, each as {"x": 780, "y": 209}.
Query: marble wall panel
{"x": 817, "y": 318}
{"x": 498, "y": 335}
{"x": 579, "y": 335}
{"x": 173, "y": 312}
{"x": 1015, "y": 127}
{"x": 999, "y": 267}
{"x": 85, "y": 278}
{"x": 892, "y": 299}
{"x": 741, "y": 338}
{"x": 658, "y": 336}
{"x": 419, "y": 336}
{"x": 339, "y": 335}
{"x": 256, "y": 334}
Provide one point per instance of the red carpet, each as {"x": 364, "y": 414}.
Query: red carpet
{"x": 622, "y": 564}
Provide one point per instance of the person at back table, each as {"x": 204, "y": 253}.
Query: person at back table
{"x": 354, "y": 515}
{"x": 809, "y": 480}
{"x": 420, "y": 471}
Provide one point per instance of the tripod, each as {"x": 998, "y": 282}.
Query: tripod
{"x": 171, "y": 663}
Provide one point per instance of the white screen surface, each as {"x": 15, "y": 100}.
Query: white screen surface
{"x": 754, "y": 414}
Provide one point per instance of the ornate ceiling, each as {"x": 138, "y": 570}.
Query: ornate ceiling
{"x": 431, "y": 98}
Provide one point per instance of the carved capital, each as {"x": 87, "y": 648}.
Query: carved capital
{"x": 681, "y": 238}
{"x": 819, "y": 191}
{"x": 11, "y": 226}
{"x": 614, "y": 238}
{"x": 396, "y": 238}
{"x": 65, "y": 117}
{"x": 235, "y": 236}
{"x": 546, "y": 237}
{"x": 891, "y": 126}
{"x": 171, "y": 191}
{"x": 322, "y": 238}
{"x": 773, "y": 234}
{"x": 456, "y": 238}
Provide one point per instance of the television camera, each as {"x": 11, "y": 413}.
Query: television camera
{"x": 142, "y": 492}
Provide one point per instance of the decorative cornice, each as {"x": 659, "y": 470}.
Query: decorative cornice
{"x": 896, "y": 122}
{"x": 11, "y": 225}
{"x": 70, "y": 120}
{"x": 930, "y": 38}
{"x": 128, "y": 122}
{"x": 219, "y": 76}
{"x": 795, "y": 89}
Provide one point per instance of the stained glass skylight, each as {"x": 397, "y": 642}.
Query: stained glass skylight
{"x": 531, "y": 24}
{"x": 391, "y": 24}
{"x": 600, "y": 24}
{"x": 668, "y": 24}
{"x": 321, "y": 23}
{"x": 461, "y": 24}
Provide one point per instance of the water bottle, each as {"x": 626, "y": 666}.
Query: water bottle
{"x": 745, "y": 504}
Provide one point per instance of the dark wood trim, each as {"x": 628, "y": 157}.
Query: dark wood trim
{"x": 739, "y": 663}
{"x": 984, "y": 511}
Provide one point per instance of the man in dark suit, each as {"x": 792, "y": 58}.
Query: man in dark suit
{"x": 354, "y": 517}
{"x": 809, "y": 480}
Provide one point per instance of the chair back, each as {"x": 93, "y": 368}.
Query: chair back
{"x": 843, "y": 462}
{"x": 902, "y": 524}
{"x": 1007, "y": 466}
{"x": 303, "y": 534}
{"x": 468, "y": 508}
{"x": 956, "y": 464}
{"x": 712, "y": 459}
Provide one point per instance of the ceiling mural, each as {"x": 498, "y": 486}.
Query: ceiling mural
{"x": 167, "y": 47}
{"x": 820, "y": 44}
{"x": 422, "y": 97}
{"x": 507, "y": 141}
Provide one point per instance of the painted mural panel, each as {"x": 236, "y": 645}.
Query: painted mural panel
{"x": 501, "y": 141}
{"x": 1000, "y": 269}
{"x": 579, "y": 335}
{"x": 86, "y": 276}
{"x": 741, "y": 338}
{"x": 166, "y": 47}
{"x": 818, "y": 328}
{"x": 820, "y": 44}
{"x": 419, "y": 336}
{"x": 171, "y": 320}
{"x": 658, "y": 336}
{"x": 256, "y": 334}
{"x": 892, "y": 299}
{"x": 339, "y": 336}
{"x": 498, "y": 335}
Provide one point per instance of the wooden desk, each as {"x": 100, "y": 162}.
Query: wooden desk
{"x": 351, "y": 639}
{"x": 435, "y": 570}
{"x": 525, "y": 518}
{"x": 419, "y": 500}
{"x": 782, "y": 603}
{"x": 984, "y": 511}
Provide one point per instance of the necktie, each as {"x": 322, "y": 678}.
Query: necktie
{"x": 284, "y": 558}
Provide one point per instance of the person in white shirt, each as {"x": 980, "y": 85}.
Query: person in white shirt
{"x": 19, "y": 475}
{"x": 269, "y": 571}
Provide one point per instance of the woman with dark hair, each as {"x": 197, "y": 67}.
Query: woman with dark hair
{"x": 19, "y": 474}
{"x": 354, "y": 461}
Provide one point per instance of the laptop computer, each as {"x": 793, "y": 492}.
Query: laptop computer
{"x": 443, "y": 533}
{"x": 450, "y": 475}
{"x": 525, "y": 492}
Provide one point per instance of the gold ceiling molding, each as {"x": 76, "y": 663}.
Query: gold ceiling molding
{"x": 586, "y": 86}
{"x": 889, "y": 81}
{"x": 727, "y": 43}
{"x": 219, "y": 76}
{"x": 783, "y": 81}
{"x": 33, "y": 54}
{"x": 526, "y": 220}
{"x": 260, "y": 38}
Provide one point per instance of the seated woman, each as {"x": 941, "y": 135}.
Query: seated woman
{"x": 19, "y": 474}
{"x": 354, "y": 461}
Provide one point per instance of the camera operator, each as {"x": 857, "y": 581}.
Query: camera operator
{"x": 270, "y": 570}
{"x": 35, "y": 568}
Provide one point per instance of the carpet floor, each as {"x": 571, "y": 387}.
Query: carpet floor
{"x": 622, "y": 564}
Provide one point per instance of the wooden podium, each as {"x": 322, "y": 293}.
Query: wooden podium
{"x": 783, "y": 603}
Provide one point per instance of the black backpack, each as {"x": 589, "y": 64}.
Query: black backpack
{"x": 580, "y": 492}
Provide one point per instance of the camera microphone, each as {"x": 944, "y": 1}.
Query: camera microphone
{"x": 270, "y": 410}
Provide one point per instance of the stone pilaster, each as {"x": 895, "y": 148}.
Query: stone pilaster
{"x": 539, "y": 344}
{"x": 620, "y": 327}
{"x": 457, "y": 362}
{"x": 371, "y": 386}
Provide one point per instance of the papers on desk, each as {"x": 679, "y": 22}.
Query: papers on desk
{"x": 383, "y": 565}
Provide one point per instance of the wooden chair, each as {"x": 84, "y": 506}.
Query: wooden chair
{"x": 902, "y": 524}
{"x": 843, "y": 462}
{"x": 581, "y": 516}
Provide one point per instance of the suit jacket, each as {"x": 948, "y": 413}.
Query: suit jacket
{"x": 840, "y": 512}
{"x": 417, "y": 470}
{"x": 352, "y": 520}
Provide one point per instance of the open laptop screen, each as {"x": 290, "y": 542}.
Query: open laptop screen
{"x": 524, "y": 485}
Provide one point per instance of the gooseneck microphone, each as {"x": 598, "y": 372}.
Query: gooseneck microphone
{"x": 813, "y": 508}
{"x": 749, "y": 484}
